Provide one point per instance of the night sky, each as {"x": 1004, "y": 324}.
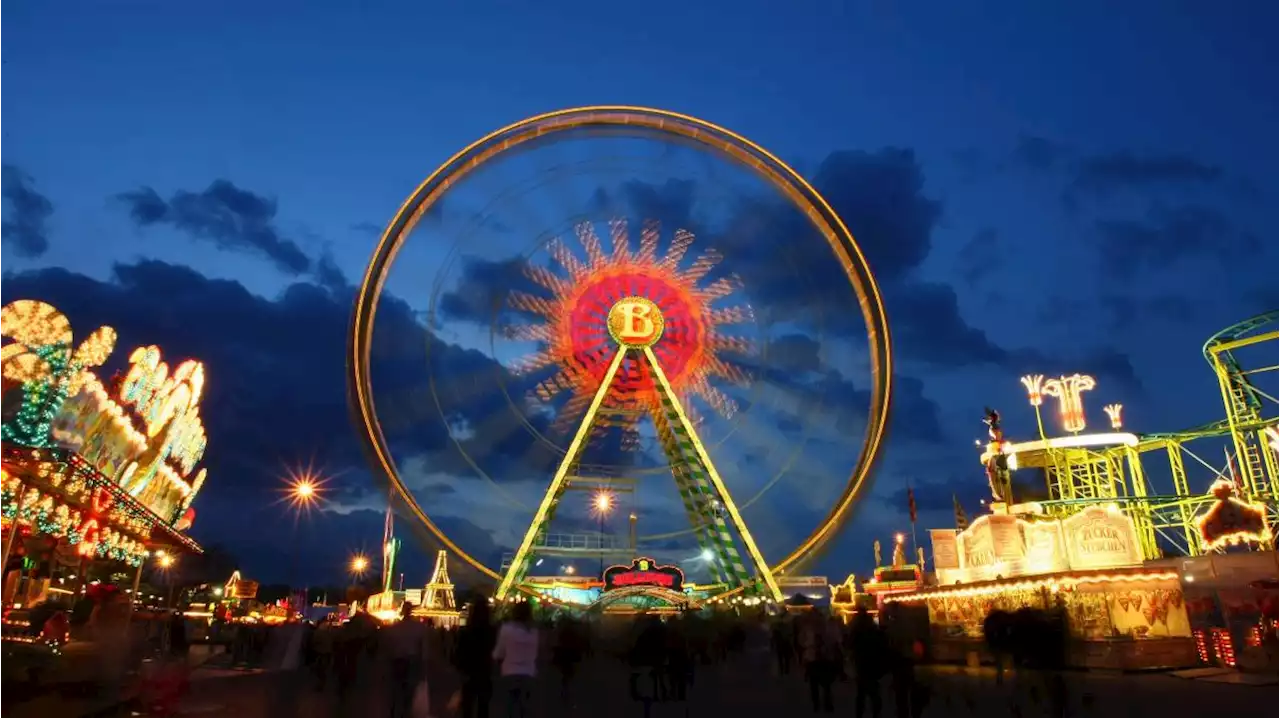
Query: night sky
{"x": 1039, "y": 187}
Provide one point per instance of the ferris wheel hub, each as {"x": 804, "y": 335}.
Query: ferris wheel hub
{"x": 636, "y": 322}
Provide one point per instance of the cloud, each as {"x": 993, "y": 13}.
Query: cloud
{"x": 790, "y": 274}
{"x": 276, "y": 372}
{"x": 981, "y": 256}
{"x": 1125, "y": 311}
{"x": 1105, "y": 173}
{"x": 816, "y": 393}
{"x": 27, "y": 214}
{"x": 230, "y": 217}
{"x": 1038, "y": 153}
{"x": 1102, "y": 176}
{"x": 1167, "y": 236}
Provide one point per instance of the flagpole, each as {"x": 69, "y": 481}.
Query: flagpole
{"x": 913, "y": 520}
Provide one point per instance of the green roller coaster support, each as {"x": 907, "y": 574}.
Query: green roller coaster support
{"x": 1244, "y": 409}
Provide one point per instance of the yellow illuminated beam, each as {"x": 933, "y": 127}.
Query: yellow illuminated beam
{"x": 584, "y": 429}
{"x": 1247, "y": 341}
{"x": 762, "y": 566}
{"x": 1078, "y": 441}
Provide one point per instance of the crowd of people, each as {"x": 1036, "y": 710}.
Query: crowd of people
{"x": 494, "y": 663}
{"x": 497, "y": 663}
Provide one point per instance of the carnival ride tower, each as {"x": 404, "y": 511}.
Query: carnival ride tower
{"x": 636, "y": 325}
{"x": 1246, "y": 403}
{"x": 439, "y": 592}
{"x": 1083, "y": 469}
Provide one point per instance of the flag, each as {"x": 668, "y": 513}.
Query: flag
{"x": 962, "y": 519}
{"x": 911, "y": 504}
{"x": 1232, "y": 473}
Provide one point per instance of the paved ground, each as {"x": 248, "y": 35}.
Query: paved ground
{"x": 748, "y": 687}
{"x": 744, "y": 689}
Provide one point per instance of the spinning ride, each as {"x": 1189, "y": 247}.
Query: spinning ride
{"x": 632, "y": 333}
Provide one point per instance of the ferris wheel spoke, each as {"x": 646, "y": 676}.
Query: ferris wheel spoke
{"x": 590, "y": 242}
{"x": 649, "y": 235}
{"x": 621, "y": 240}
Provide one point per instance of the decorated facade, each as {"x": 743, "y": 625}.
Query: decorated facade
{"x": 1119, "y": 557}
{"x": 95, "y": 469}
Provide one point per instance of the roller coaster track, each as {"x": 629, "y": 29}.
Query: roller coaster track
{"x": 1243, "y": 402}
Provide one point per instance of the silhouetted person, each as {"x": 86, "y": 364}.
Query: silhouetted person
{"x": 998, "y": 630}
{"x": 679, "y": 660}
{"x": 566, "y": 654}
{"x": 869, "y": 655}
{"x": 178, "y": 644}
{"x": 516, "y": 651}
{"x": 406, "y": 647}
{"x": 820, "y": 651}
{"x": 782, "y": 640}
{"x": 473, "y": 657}
{"x": 647, "y": 658}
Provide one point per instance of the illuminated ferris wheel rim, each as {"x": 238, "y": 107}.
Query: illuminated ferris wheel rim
{"x": 620, "y": 117}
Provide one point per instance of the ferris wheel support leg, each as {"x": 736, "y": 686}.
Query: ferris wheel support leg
{"x": 762, "y": 566}
{"x": 557, "y": 482}
{"x": 688, "y": 492}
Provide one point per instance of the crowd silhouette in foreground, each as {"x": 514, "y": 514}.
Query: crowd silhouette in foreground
{"x": 497, "y": 663}
{"x": 412, "y": 669}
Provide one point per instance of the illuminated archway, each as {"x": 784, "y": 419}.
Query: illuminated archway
{"x": 675, "y": 599}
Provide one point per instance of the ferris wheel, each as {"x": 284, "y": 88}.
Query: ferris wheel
{"x": 631, "y": 340}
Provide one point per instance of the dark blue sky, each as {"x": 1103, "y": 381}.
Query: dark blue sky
{"x": 1042, "y": 187}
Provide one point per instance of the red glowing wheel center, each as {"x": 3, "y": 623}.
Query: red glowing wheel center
{"x": 635, "y": 308}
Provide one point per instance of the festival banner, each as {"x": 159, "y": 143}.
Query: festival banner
{"x": 946, "y": 551}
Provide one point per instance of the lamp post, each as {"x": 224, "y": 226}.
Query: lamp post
{"x": 602, "y": 505}
{"x": 303, "y": 492}
{"x": 166, "y": 562}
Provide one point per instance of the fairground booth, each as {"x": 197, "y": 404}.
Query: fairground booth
{"x": 96, "y": 474}
{"x": 1144, "y": 578}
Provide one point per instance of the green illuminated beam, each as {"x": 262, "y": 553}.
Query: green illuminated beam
{"x": 762, "y": 567}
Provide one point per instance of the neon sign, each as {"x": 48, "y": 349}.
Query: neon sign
{"x": 644, "y": 572}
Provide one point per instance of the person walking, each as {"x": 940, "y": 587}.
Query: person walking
{"x": 780, "y": 638}
{"x": 473, "y": 658}
{"x": 516, "y": 651}
{"x": 647, "y": 657}
{"x": 820, "y": 651}
{"x": 407, "y": 649}
{"x": 869, "y": 656}
{"x": 567, "y": 654}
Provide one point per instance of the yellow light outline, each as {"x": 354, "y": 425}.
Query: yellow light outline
{"x": 762, "y": 566}
{"x": 766, "y": 164}
{"x": 553, "y": 491}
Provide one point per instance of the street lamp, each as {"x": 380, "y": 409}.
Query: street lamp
{"x": 165, "y": 561}
{"x": 602, "y": 504}
{"x": 304, "y": 488}
{"x": 359, "y": 564}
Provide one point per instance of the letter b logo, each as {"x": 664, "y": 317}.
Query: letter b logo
{"x": 635, "y": 322}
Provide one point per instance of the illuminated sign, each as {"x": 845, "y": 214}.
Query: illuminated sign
{"x": 644, "y": 572}
{"x": 636, "y": 322}
{"x": 1099, "y": 537}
